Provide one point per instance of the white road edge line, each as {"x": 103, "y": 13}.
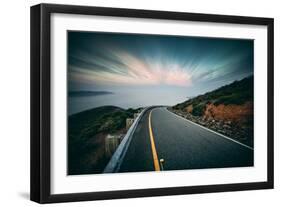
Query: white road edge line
{"x": 212, "y": 131}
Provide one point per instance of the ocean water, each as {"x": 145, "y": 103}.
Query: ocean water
{"x": 124, "y": 100}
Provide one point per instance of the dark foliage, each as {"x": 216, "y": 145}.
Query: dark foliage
{"x": 238, "y": 92}
{"x": 86, "y": 137}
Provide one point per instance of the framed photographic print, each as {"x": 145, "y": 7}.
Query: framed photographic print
{"x": 132, "y": 103}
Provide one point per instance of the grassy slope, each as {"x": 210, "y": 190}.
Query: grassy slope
{"x": 86, "y": 132}
{"x": 237, "y": 93}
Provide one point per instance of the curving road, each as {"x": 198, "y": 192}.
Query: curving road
{"x": 182, "y": 144}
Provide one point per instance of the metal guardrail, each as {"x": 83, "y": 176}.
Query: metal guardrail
{"x": 118, "y": 156}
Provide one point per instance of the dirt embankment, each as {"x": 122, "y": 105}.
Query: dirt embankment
{"x": 229, "y": 113}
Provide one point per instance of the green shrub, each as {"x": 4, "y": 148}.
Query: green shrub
{"x": 199, "y": 109}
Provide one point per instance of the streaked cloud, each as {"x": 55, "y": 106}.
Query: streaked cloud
{"x": 127, "y": 69}
{"x": 106, "y": 59}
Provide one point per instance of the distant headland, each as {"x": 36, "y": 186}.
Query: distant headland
{"x": 88, "y": 93}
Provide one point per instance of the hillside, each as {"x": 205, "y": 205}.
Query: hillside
{"x": 228, "y": 110}
{"x": 86, "y": 137}
{"x": 236, "y": 93}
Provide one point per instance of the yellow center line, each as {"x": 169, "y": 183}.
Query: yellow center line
{"x": 153, "y": 148}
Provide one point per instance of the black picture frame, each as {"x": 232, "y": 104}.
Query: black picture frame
{"x": 40, "y": 102}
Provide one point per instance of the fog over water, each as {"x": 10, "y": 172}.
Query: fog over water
{"x": 124, "y": 100}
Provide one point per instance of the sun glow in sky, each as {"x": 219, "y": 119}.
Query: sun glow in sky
{"x": 115, "y": 61}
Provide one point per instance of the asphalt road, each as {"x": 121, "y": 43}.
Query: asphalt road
{"x": 182, "y": 144}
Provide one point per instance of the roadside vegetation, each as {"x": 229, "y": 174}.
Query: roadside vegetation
{"x": 236, "y": 93}
{"x": 86, "y": 137}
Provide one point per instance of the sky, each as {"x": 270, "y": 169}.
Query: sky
{"x": 140, "y": 62}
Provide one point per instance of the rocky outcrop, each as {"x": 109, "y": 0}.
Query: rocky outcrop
{"x": 229, "y": 113}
